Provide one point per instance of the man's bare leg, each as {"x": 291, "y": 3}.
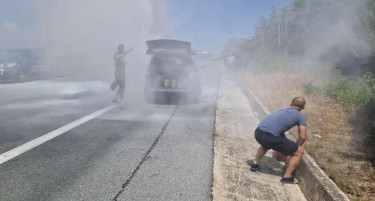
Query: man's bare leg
{"x": 259, "y": 155}
{"x": 121, "y": 98}
{"x": 293, "y": 162}
{"x": 117, "y": 96}
{"x": 286, "y": 164}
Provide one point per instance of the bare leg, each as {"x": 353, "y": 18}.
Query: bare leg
{"x": 121, "y": 95}
{"x": 286, "y": 164}
{"x": 259, "y": 155}
{"x": 293, "y": 162}
{"x": 116, "y": 99}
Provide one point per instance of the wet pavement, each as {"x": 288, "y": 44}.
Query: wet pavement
{"x": 141, "y": 152}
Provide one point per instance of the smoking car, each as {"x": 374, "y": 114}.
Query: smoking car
{"x": 172, "y": 71}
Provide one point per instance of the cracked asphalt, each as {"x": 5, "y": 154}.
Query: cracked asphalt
{"x": 144, "y": 152}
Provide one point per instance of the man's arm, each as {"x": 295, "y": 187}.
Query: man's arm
{"x": 302, "y": 135}
{"x": 128, "y": 51}
{"x": 119, "y": 56}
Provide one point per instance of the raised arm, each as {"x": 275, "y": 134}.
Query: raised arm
{"x": 128, "y": 51}
{"x": 302, "y": 134}
{"x": 121, "y": 55}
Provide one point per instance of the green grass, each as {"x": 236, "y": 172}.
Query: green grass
{"x": 352, "y": 93}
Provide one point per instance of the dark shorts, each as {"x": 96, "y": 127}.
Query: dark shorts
{"x": 280, "y": 144}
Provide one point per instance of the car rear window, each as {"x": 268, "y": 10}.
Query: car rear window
{"x": 170, "y": 60}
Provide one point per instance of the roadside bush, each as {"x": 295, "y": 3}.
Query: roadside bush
{"x": 354, "y": 93}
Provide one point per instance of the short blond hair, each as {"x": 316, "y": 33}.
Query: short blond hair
{"x": 298, "y": 102}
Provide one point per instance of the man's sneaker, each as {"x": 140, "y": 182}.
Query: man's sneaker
{"x": 254, "y": 167}
{"x": 291, "y": 180}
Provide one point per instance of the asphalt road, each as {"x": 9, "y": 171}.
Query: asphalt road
{"x": 143, "y": 152}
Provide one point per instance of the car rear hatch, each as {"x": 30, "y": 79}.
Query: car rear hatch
{"x": 167, "y": 44}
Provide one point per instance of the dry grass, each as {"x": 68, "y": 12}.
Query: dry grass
{"x": 334, "y": 142}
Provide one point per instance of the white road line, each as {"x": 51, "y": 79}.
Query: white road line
{"x": 265, "y": 108}
{"x": 7, "y": 85}
{"x": 49, "y": 136}
{"x": 257, "y": 100}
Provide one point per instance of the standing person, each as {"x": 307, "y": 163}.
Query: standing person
{"x": 270, "y": 135}
{"x": 119, "y": 58}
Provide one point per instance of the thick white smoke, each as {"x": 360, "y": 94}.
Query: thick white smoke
{"x": 82, "y": 36}
{"x": 334, "y": 30}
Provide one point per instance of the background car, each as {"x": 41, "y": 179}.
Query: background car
{"x": 172, "y": 72}
{"x": 22, "y": 64}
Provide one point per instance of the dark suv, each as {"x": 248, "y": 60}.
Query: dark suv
{"x": 171, "y": 72}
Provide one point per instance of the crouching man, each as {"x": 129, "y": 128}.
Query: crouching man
{"x": 270, "y": 135}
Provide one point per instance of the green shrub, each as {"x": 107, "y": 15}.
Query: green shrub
{"x": 357, "y": 95}
{"x": 353, "y": 93}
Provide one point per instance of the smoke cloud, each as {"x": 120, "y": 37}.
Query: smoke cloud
{"x": 333, "y": 29}
{"x": 82, "y": 36}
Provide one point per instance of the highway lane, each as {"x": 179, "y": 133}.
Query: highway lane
{"x": 31, "y": 109}
{"x": 144, "y": 152}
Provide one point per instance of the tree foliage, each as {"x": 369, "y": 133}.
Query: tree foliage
{"x": 341, "y": 32}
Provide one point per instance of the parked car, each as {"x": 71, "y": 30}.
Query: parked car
{"x": 172, "y": 71}
{"x": 22, "y": 64}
